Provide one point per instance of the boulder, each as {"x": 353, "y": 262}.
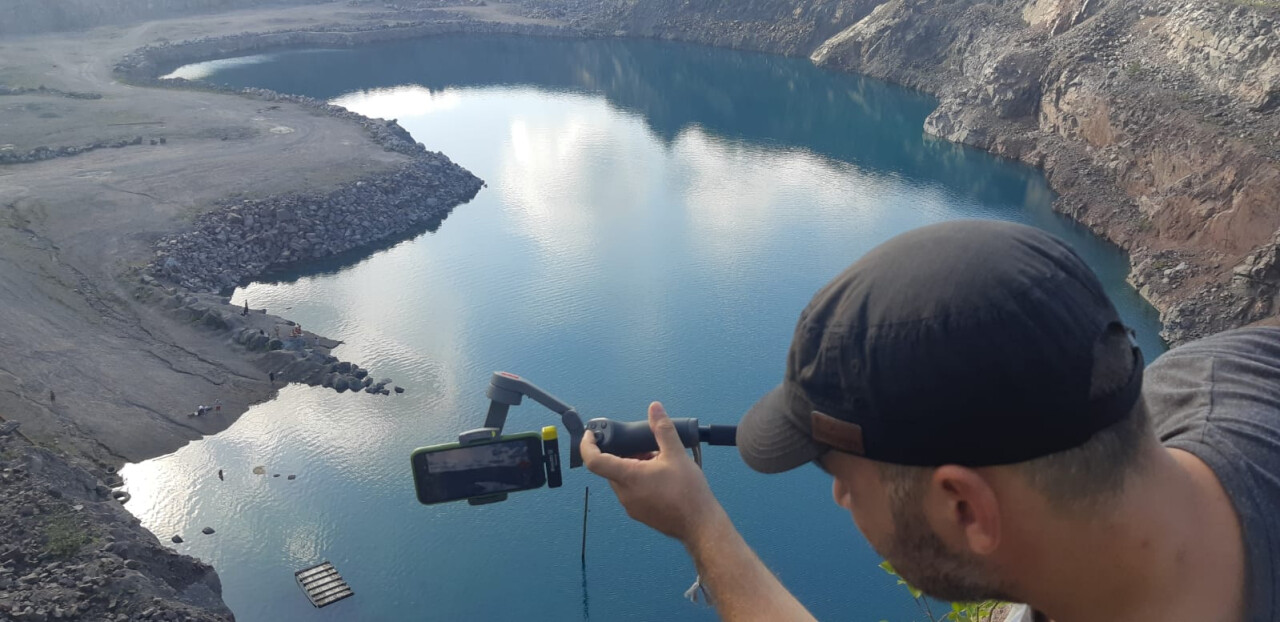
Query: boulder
{"x": 214, "y": 320}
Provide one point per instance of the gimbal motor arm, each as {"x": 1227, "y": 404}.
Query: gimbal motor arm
{"x": 507, "y": 389}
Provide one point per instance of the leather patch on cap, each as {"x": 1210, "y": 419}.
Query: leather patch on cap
{"x": 839, "y": 434}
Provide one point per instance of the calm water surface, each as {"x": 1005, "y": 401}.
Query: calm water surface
{"x": 656, "y": 217}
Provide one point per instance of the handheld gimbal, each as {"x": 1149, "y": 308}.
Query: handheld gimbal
{"x": 624, "y": 438}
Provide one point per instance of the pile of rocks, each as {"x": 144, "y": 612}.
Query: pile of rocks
{"x": 44, "y": 90}
{"x": 68, "y": 551}
{"x": 49, "y": 153}
{"x": 238, "y": 241}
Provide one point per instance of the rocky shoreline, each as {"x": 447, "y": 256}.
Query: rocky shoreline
{"x": 147, "y": 64}
{"x": 239, "y": 241}
{"x": 236, "y": 242}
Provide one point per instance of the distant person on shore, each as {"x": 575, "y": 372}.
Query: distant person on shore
{"x": 981, "y": 410}
{"x": 272, "y": 376}
{"x": 217, "y": 404}
{"x": 52, "y": 398}
{"x": 245, "y": 312}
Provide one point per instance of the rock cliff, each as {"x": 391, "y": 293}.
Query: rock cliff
{"x": 1155, "y": 120}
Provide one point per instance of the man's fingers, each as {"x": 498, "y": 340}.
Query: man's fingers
{"x": 663, "y": 430}
{"x": 587, "y": 447}
{"x": 608, "y": 466}
{"x": 605, "y": 465}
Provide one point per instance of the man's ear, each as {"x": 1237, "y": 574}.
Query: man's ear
{"x": 964, "y": 510}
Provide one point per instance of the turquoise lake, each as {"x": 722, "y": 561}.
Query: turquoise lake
{"x": 656, "y": 217}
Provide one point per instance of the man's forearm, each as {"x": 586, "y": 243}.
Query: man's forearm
{"x": 741, "y": 587}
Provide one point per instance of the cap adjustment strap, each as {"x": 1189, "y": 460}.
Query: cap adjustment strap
{"x": 842, "y": 435}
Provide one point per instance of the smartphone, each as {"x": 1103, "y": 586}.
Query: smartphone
{"x": 453, "y": 472}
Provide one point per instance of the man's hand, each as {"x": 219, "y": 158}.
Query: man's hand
{"x": 665, "y": 490}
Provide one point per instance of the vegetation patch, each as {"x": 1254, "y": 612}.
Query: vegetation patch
{"x": 984, "y": 611}
{"x": 64, "y": 537}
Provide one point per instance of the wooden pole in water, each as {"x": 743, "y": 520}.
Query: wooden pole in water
{"x": 585, "y": 495}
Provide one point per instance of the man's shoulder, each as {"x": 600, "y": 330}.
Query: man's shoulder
{"x": 1219, "y": 398}
{"x": 1233, "y": 377}
{"x": 1253, "y": 342}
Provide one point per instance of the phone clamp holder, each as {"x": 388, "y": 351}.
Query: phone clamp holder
{"x": 471, "y": 437}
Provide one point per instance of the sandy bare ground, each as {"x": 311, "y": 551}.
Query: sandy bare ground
{"x": 123, "y": 376}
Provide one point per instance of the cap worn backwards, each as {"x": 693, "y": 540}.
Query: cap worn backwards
{"x": 967, "y": 342}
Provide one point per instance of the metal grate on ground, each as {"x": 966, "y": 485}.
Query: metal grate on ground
{"x": 322, "y": 584}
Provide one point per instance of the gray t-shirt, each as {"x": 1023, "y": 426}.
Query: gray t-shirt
{"x": 1219, "y": 399}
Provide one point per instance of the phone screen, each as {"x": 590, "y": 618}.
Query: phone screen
{"x": 453, "y": 472}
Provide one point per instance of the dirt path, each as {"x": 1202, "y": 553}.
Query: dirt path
{"x": 82, "y": 366}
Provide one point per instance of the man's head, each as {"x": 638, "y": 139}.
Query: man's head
{"x": 953, "y": 377}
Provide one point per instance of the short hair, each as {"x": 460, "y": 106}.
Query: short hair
{"x": 1086, "y": 477}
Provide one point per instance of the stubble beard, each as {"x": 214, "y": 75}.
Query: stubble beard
{"x": 923, "y": 560}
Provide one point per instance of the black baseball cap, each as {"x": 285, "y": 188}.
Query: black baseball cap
{"x": 970, "y": 342}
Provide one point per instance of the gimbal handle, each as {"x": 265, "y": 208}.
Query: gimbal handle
{"x": 630, "y": 438}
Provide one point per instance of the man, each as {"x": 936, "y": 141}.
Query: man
{"x": 979, "y": 406}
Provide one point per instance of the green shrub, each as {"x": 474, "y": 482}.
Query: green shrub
{"x": 64, "y": 537}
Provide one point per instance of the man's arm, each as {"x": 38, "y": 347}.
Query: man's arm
{"x": 668, "y": 492}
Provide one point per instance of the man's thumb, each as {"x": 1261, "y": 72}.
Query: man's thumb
{"x": 663, "y": 429}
